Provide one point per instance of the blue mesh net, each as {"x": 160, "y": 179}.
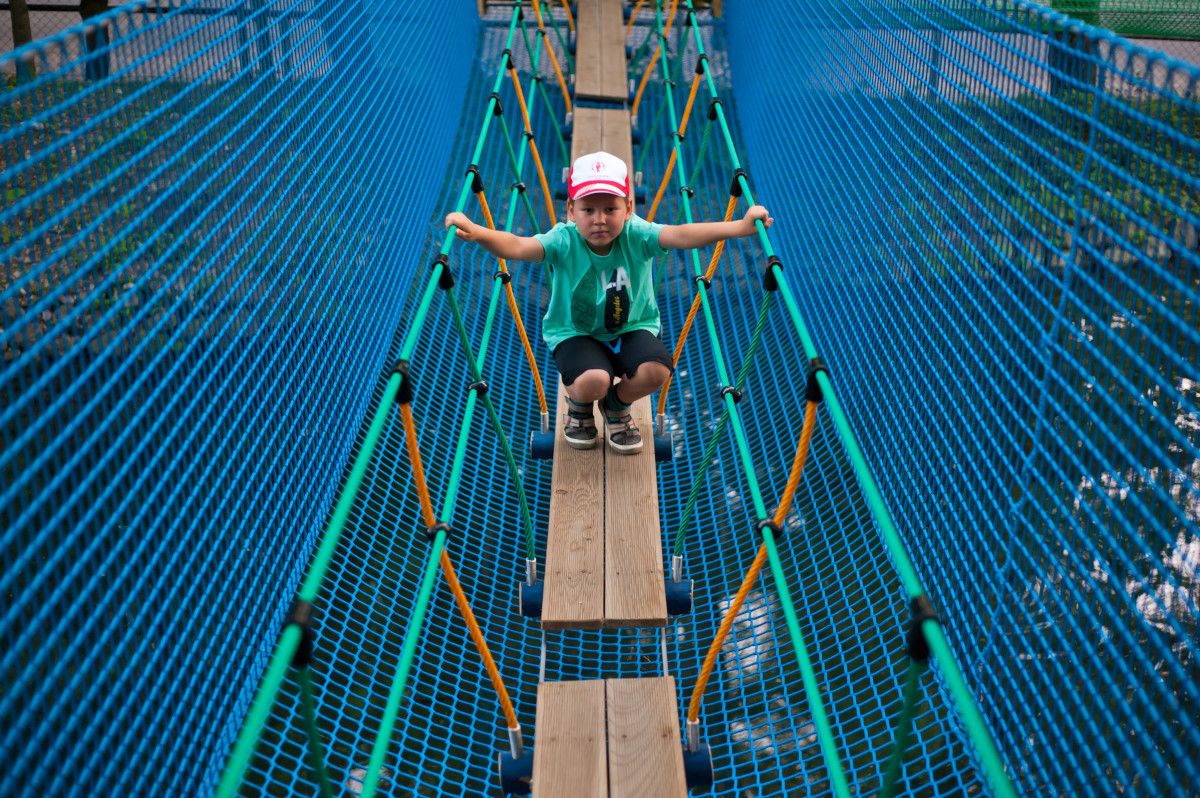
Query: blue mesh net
{"x": 214, "y": 239}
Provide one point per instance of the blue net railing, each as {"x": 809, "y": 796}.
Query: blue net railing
{"x": 215, "y": 240}
{"x": 205, "y": 255}
{"x": 994, "y": 232}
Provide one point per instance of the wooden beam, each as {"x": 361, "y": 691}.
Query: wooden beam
{"x": 570, "y": 759}
{"x": 634, "y": 588}
{"x": 645, "y": 755}
{"x": 600, "y": 52}
{"x": 573, "y": 596}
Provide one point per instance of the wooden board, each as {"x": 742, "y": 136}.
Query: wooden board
{"x": 645, "y": 755}
{"x": 605, "y": 129}
{"x": 600, "y": 52}
{"x": 570, "y": 759}
{"x": 634, "y": 590}
{"x": 573, "y": 596}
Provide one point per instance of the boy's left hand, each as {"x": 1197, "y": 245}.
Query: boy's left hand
{"x": 757, "y": 212}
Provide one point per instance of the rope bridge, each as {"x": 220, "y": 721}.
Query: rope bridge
{"x": 226, "y": 255}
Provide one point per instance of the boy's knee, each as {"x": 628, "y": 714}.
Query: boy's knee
{"x": 655, "y": 374}
{"x": 589, "y": 386}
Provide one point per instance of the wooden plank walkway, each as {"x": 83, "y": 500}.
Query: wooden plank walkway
{"x": 600, "y": 53}
{"x": 613, "y": 738}
{"x": 604, "y": 545}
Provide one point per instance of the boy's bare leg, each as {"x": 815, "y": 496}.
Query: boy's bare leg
{"x": 648, "y": 378}
{"x": 590, "y": 386}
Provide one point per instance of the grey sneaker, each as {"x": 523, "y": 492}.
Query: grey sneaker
{"x": 579, "y": 432}
{"x": 623, "y": 435}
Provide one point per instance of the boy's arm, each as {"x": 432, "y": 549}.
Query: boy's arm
{"x": 499, "y": 243}
{"x": 699, "y": 234}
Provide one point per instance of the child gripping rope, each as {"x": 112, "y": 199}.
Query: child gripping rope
{"x": 603, "y": 322}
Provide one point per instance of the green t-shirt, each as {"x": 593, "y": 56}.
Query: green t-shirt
{"x": 602, "y": 296}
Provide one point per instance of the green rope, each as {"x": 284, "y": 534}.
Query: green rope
{"x": 536, "y": 88}
{"x": 895, "y": 764}
{"x": 396, "y": 693}
{"x": 518, "y": 168}
{"x": 569, "y": 64}
{"x": 308, "y": 712}
{"x": 513, "y": 472}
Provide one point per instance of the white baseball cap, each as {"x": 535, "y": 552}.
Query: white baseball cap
{"x": 598, "y": 173}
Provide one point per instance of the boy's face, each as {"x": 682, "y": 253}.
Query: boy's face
{"x": 599, "y": 219}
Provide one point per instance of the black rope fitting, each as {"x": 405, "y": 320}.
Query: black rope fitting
{"x": 519, "y": 186}
{"x": 704, "y": 281}
{"x": 735, "y": 187}
{"x": 508, "y": 59}
{"x": 729, "y": 389}
{"x": 700, "y": 62}
{"x": 504, "y": 277}
{"x": 922, "y": 610}
{"x": 520, "y": 14}
{"x": 812, "y": 389}
{"x": 479, "y": 386}
{"x": 301, "y": 615}
{"x": 446, "y": 279}
{"x": 476, "y": 178}
{"x": 768, "y": 523}
{"x": 769, "y": 282}
{"x": 679, "y": 136}
{"x": 688, "y": 190}
{"x": 497, "y": 109}
{"x": 529, "y": 135}
{"x": 441, "y": 526}
{"x": 404, "y": 391}
{"x": 712, "y": 109}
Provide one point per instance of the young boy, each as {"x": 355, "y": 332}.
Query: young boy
{"x": 603, "y": 320}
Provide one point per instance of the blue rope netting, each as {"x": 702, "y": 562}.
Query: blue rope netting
{"x": 990, "y": 223}
{"x": 994, "y": 235}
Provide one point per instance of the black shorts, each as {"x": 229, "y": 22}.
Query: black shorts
{"x": 619, "y": 358}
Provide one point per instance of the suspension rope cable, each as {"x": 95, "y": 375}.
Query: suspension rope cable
{"x": 516, "y": 312}
{"x": 516, "y": 164}
{"x": 976, "y": 726}
{"x": 537, "y": 90}
{"x": 666, "y": 178}
{"x": 562, "y": 83}
{"x": 533, "y": 150}
{"x": 662, "y": 42}
{"x": 633, "y": 17}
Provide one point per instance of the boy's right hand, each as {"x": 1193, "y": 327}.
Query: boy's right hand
{"x": 465, "y": 228}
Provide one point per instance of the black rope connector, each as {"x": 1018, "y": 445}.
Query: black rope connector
{"x": 688, "y": 190}
{"x": 922, "y": 610}
{"x": 480, "y": 386}
{"x": 504, "y": 277}
{"x": 508, "y": 62}
{"x": 301, "y": 615}
{"x": 497, "y": 109}
{"x": 520, "y": 14}
{"x": 735, "y": 187}
{"x": 404, "y": 391}
{"x": 528, "y": 135}
{"x": 768, "y": 523}
{"x": 700, "y": 62}
{"x": 769, "y": 282}
{"x": 445, "y": 279}
{"x": 519, "y": 186}
{"x": 704, "y": 281}
{"x": 441, "y": 526}
{"x": 712, "y": 109}
{"x": 679, "y": 136}
{"x": 476, "y": 178}
{"x": 729, "y": 389}
{"x": 812, "y": 389}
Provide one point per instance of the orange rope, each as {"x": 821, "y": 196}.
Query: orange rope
{"x": 691, "y": 316}
{"x": 710, "y": 659}
{"x": 460, "y": 598}
{"x": 516, "y": 312}
{"x": 632, "y": 16}
{"x": 662, "y": 186}
{"x": 637, "y": 100}
{"x": 562, "y": 83}
{"x": 570, "y": 16}
{"x": 537, "y": 158}
{"x": 785, "y": 505}
{"x": 414, "y": 456}
{"x": 789, "y": 493}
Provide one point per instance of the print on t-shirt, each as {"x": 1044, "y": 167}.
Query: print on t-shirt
{"x": 616, "y": 300}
